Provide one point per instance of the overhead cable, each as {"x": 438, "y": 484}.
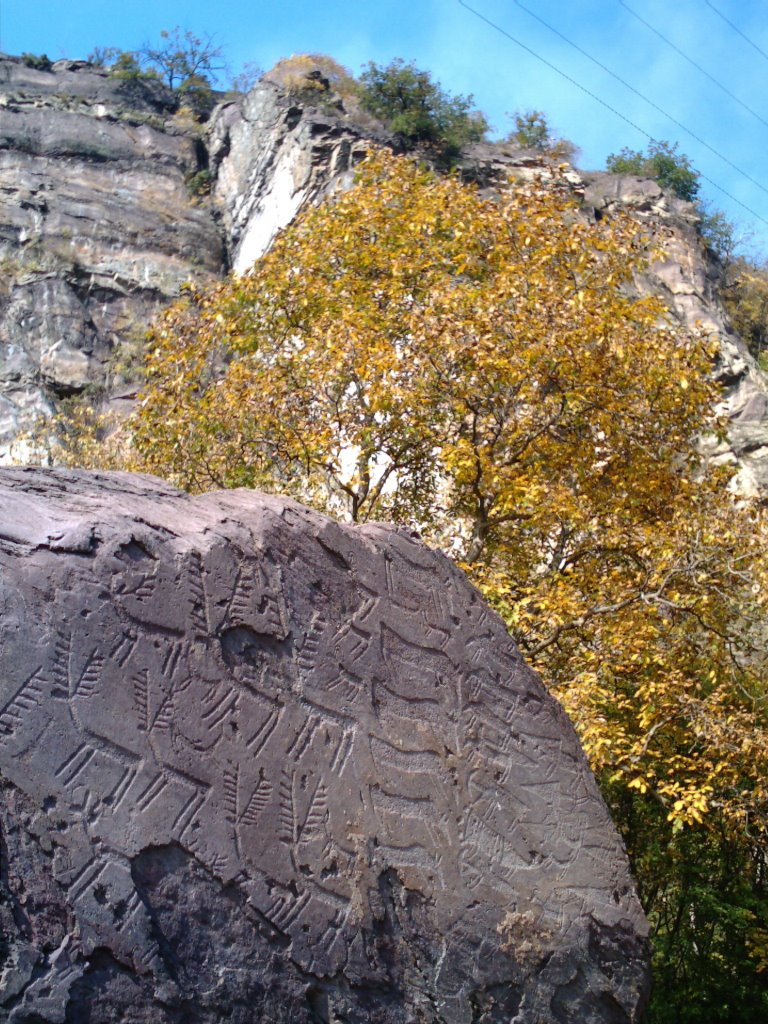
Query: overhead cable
{"x": 736, "y": 29}
{"x": 603, "y": 103}
{"x": 643, "y": 97}
{"x": 691, "y": 61}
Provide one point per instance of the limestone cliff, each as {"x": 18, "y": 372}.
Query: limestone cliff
{"x": 99, "y": 227}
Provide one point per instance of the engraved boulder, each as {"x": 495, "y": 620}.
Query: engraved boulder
{"x": 258, "y": 766}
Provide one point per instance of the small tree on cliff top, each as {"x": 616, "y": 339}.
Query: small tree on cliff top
{"x": 182, "y": 57}
{"x": 663, "y": 162}
{"x": 532, "y": 131}
{"x": 418, "y": 109}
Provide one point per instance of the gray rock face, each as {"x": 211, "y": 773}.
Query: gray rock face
{"x": 687, "y": 281}
{"x": 98, "y": 228}
{"x": 272, "y": 158}
{"x": 257, "y": 766}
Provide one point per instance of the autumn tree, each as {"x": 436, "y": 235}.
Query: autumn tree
{"x": 481, "y": 369}
{"x": 187, "y": 63}
{"x": 310, "y": 75}
{"x": 478, "y": 368}
{"x": 181, "y": 55}
{"x": 745, "y": 297}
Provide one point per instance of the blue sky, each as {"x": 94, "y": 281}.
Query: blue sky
{"x": 468, "y": 56}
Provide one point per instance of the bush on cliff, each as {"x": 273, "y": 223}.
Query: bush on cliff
{"x": 533, "y": 131}
{"x": 311, "y": 75}
{"x": 418, "y": 110}
{"x": 662, "y": 161}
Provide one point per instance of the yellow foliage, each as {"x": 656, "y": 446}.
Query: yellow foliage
{"x": 79, "y": 436}
{"x": 745, "y": 296}
{"x": 480, "y": 369}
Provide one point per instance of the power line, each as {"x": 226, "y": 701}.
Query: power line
{"x": 690, "y": 60}
{"x": 602, "y": 102}
{"x": 736, "y": 29}
{"x": 643, "y": 97}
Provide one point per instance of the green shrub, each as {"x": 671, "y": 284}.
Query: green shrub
{"x": 532, "y": 131}
{"x": 418, "y": 110}
{"x": 126, "y": 67}
{"x": 719, "y": 234}
{"x": 199, "y": 182}
{"x": 662, "y": 161}
{"x": 39, "y": 62}
{"x": 196, "y": 93}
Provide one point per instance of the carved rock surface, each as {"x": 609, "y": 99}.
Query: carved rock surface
{"x": 257, "y": 766}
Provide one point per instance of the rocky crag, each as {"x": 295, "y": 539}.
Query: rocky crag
{"x": 102, "y": 220}
{"x": 256, "y": 765}
{"x": 104, "y": 213}
{"x": 97, "y": 227}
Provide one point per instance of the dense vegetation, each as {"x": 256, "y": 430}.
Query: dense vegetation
{"x": 478, "y": 369}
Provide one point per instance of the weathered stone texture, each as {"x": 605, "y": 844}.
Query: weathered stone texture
{"x": 274, "y": 156}
{"x": 98, "y": 227}
{"x": 258, "y": 766}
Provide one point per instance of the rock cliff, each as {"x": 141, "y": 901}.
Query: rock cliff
{"x": 256, "y": 765}
{"x": 272, "y": 155}
{"x": 686, "y": 277}
{"x": 99, "y": 225}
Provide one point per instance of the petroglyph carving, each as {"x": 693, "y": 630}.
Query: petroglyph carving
{"x": 353, "y": 777}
